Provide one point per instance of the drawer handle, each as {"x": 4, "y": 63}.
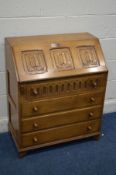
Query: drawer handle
{"x": 94, "y": 84}
{"x": 89, "y": 128}
{"x": 92, "y": 99}
{"x": 35, "y": 139}
{"x": 35, "y": 92}
{"x": 91, "y": 114}
{"x": 35, "y": 108}
{"x": 35, "y": 125}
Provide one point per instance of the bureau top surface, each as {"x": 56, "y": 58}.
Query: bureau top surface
{"x": 54, "y": 56}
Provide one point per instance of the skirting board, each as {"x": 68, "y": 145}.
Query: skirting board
{"x": 109, "y": 106}
{"x": 3, "y": 124}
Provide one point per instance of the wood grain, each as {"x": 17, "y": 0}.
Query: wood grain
{"x": 60, "y": 99}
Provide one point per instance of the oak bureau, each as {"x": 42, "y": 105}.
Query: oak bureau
{"x": 56, "y": 87}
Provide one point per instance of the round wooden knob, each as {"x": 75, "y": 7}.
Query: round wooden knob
{"x": 94, "y": 84}
{"x": 92, "y": 99}
{"x": 91, "y": 114}
{"x": 35, "y": 108}
{"x": 35, "y": 139}
{"x": 89, "y": 128}
{"x": 35, "y": 125}
{"x": 35, "y": 92}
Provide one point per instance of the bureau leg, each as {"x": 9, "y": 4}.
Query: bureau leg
{"x": 22, "y": 154}
{"x": 97, "y": 137}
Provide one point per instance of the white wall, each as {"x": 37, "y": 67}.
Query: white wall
{"x": 34, "y": 17}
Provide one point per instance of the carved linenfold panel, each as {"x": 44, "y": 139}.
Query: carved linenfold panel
{"x": 62, "y": 59}
{"x": 88, "y": 56}
{"x": 34, "y": 61}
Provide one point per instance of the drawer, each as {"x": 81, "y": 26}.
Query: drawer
{"x": 56, "y": 88}
{"x": 61, "y": 118}
{"x": 60, "y": 133}
{"x": 61, "y": 104}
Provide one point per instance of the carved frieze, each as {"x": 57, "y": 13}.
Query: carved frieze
{"x": 62, "y": 87}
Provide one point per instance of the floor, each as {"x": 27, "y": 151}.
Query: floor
{"x": 85, "y": 157}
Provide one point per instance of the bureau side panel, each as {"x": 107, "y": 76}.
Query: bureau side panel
{"x": 12, "y": 91}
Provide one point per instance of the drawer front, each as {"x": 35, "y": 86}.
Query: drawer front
{"x": 62, "y": 118}
{"x": 56, "y": 88}
{"x": 60, "y": 133}
{"x": 61, "y": 104}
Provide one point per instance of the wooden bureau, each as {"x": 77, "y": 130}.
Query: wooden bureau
{"x": 56, "y": 87}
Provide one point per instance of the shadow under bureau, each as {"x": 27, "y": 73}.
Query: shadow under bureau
{"x": 56, "y": 87}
